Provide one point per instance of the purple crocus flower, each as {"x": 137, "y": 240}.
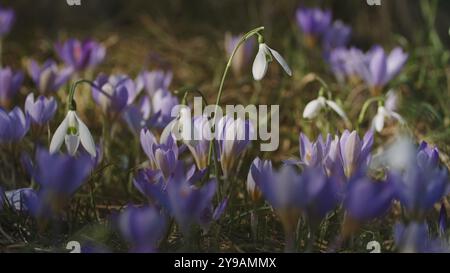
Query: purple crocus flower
{"x": 13, "y": 125}
{"x": 42, "y": 110}
{"x": 120, "y": 90}
{"x": 180, "y": 197}
{"x": 162, "y": 103}
{"x": 233, "y": 136}
{"x": 259, "y": 169}
{"x": 381, "y": 68}
{"x": 7, "y": 18}
{"x": 152, "y": 81}
{"x": 143, "y": 227}
{"x": 163, "y": 155}
{"x": 81, "y": 55}
{"x": 346, "y": 64}
{"x": 427, "y": 156}
{"x": 420, "y": 187}
{"x": 415, "y": 238}
{"x": 58, "y": 177}
{"x": 312, "y": 192}
{"x": 366, "y": 199}
{"x": 355, "y": 152}
{"x": 10, "y": 83}
{"x": 48, "y": 78}
{"x": 188, "y": 202}
{"x": 243, "y": 55}
{"x": 313, "y": 22}
{"x": 139, "y": 115}
{"x": 313, "y": 154}
{"x": 336, "y": 36}
{"x": 16, "y": 198}
{"x": 198, "y": 142}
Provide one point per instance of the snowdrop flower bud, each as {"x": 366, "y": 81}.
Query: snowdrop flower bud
{"x": 264, "y": 56}
{"x": 313, "y": 108}
{"x": 383, "y": 114}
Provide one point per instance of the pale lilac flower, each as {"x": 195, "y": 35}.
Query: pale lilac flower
{"x": 7, "y": 19}
{"x": 163, "y": 156}
{"x": 313, "y": 22}
{"x": 48, "y": 78}
{"x": 42, "y": 110}
{"x": 336, "y": 36}
{"x": 143, "y": 227}
{"x": 381, "y": 68}
{"x": 81, "y": 55}
{"x": 152, "y": 81}
{"x": 13, "y": 125}
{"x": 10, "y": 83}
{"x": 243, "y": 55}
{"x": 233, "y": 136}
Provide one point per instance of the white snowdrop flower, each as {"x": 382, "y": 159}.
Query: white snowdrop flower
{"x": 314, "y": 107}
{"x": 383, "y": 114}
{"x": 72, "y": 131}
{"x": 264, "y": 56}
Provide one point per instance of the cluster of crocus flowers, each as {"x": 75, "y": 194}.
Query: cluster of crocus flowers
{"x": 375, "y": 67}
{"x": 7, "y": 18}
{"x": 80, "y": 55}
{"x": 14, "y": 125}
{"x": 154, "y": 107}
{"x": 345, "y": 155}
{"x": 180, "y": 196}
{"x": 114, "y": 93}
{"x": 311, "y": 194}
{"x": 48, "y": 77}
{"x": 317, "y": 26}
{"x": 10, "y": 85}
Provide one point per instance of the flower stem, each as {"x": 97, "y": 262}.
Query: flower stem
{"x": 71, "y": 102}
{"x": 225, "y": 72}
{"x": 366, "y": 106}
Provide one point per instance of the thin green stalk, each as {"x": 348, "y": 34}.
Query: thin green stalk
{"x": 225, "y": 73}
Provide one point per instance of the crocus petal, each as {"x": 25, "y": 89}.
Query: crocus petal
{"x": 281, "y": 61}
{"x": 259, "y": 68}
{"x": 395, "y": 61}
{"x": 59, "y": 136}
{"x": 86, "y": 138}
{"x": 378, "y": 67}
{"x": 336, "y": 108}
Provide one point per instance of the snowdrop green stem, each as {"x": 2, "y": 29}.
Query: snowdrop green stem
{"x": 366, "y": 105}
{"x": 244, "y": 38}
{"x": 71, "y": 102}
